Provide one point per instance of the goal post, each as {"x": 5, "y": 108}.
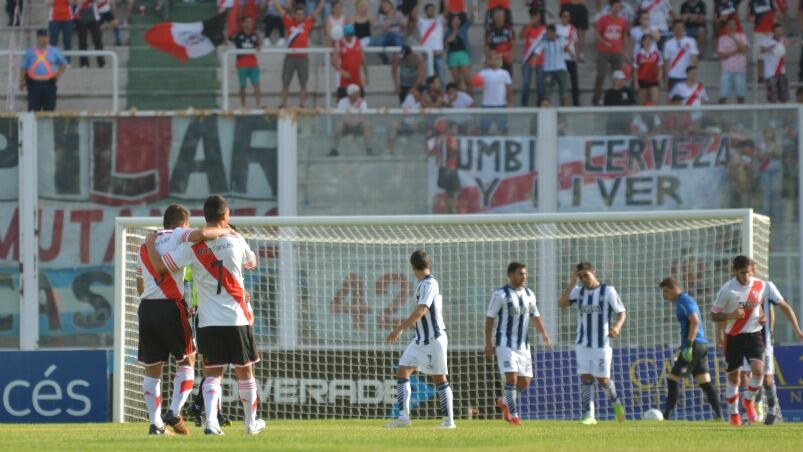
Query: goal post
{"x": 329, "y": 289}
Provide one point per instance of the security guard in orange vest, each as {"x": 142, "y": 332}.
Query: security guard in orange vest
{"x": 41, "y": 68}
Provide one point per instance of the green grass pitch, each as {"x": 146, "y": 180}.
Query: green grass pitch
{"x": 371, "y": 436}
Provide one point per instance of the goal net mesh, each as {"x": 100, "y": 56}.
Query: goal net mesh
{"x": 326, "y": 296}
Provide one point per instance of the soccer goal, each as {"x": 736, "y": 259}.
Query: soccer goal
{"x": 329, "y": 289}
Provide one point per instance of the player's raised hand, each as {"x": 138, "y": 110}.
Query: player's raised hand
{"x": 572, "y": 278}
{"x": 614, "y": 331}
{"x": 151, "y": 238}
{"x": 489, "y": 351}
{"x": 394, "y": 335}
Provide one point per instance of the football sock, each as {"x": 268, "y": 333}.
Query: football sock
{"x": 772, "y": 396}
{"x": 752, "y": 387}
{"x": 248, "y": 395}
{"x": 732, "y": 394}
{"x": 587, "y": 391}
{"x": 671, "y": 397}
{"x": 759, "y": 395}
{"x": 403, "y": 397}
{"x": 511, "y": 399}
{"x": 610, "y": 392}
{"x": 152, "y": 391}
{"x": 211, "y": 398}
{"x": 445, "y": 400}
{"x": 182, "y": 388}
{"x": 713, "y": 398}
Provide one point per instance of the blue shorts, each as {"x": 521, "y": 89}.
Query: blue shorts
{"x": 732, "y": 83}
{"x": 248, "y": 73}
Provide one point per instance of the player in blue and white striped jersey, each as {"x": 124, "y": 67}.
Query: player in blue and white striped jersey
{"x": 511, "y": 308}
{"x": 427, "y": 351}
{"x": 596, "y": 303}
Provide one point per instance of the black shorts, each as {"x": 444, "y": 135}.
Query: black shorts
{"x": 449, "y": 180}
{"x": 273, "y": 23}
{"x": 578, "y": 15}
{"x": 698, "y": 364}
{"x": 223, "y": 345}
{"x": 107, "y": 16}
{"x": 164, "y": 330}
{"x": 749, "y": 346}
{"x": 645, "y": 85}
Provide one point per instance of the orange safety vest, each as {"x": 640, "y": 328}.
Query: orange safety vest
{"x": 41, "y": 58}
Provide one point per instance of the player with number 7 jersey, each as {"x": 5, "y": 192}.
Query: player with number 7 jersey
{"x": 225, "y": 315}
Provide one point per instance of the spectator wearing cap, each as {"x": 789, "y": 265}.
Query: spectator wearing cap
{"x": 613, "y": 43}
{"x": 554, "y": 49}
{"x": 497, "y": 92}
{"x": 352, "y": 124}
{"x": 680, "y": 52}
{"x": 41, "y": 68}
{"x": 732, "y": 48}
{"x": 407, "y": 71}
{"x": 430, "y": 35}
{"x": 349, "y": 62}
{"x": 620, "y": 94}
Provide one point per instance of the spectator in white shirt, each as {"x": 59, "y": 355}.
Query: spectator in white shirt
{"x": 680, "y": 52}
{"x": 659, "y": 12}
{"x": 455, "y": 98}
{"x": 773, "y": 50}
{"x": 643, "y": 28}
{"x": 497, "y": 92}
{"x": 352, "y": 124}
{"x": 568, "y": 32}
{"x": 691, "y": 92}
{"x": 431, "y": 35}
{"x": 411, "y": 123}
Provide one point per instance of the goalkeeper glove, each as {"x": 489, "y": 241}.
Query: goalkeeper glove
{"x": 686, "y": 353}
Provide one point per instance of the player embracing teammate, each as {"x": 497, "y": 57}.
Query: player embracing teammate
{"x": 225, "y": 315}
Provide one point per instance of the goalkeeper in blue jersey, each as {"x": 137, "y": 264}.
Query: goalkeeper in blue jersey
{"x": 693, "y": 356}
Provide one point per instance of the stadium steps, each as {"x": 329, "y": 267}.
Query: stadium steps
{"x": 156, "y": 80}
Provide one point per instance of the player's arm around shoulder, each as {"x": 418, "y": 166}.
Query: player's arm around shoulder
{"x": 153, "y": 254}
{"x": 203, "y": 234}
{"x": 249, "y": 258}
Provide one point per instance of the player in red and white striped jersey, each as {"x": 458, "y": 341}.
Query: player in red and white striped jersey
{"x": 164, "y": 328}
{"x": 739, "y": 314}
{"x": 225, "y": 315}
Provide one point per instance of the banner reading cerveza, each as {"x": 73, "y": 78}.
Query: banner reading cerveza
{"x": 499, "y": 174}
{"x": 92, "y": 170}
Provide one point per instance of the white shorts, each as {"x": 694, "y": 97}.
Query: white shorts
{"x": 518, "y": 361}
{"x": 769, "y": 362}
{"x": 428, "y": 359}
{"x": 594, "y": 361}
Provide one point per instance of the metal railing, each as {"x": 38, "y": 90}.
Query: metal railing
{"x": 327, "y": 62}
{"x": 115, "y": 67}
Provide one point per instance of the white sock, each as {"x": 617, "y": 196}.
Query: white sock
{"x": 511, "y": 400}
{"x": 248, "y": 395}
{"x": 610, "y": 392}
{"x": 152, "y": 392}
{"x": 732, "y": 396}
{"x": 752, "y": 387}
{"x": 403, "y": 398}
{"x": 182, "y": 388}
{"x": 445, "y": 400}
{"x": 211, "y": 398}
{"x": 587, "y": 392}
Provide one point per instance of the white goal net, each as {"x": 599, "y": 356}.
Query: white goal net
{"x": 328, "y": 290}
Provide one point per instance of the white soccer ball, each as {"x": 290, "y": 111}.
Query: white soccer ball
{"x": 652, "y": 415}
{"x": 779, "y": 50}
{"x": 336, "y": 33}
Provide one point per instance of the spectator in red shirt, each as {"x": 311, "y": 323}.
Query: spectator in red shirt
{"x": 349, "y": 62}
{"x": 613, "y": 43}
{"x": 499, "y": 38}
{"x": 297, "y": 29}
{"x": 533, "y": 58}
{"x": 60, "y": 19}
{"x": 647, "y": 66}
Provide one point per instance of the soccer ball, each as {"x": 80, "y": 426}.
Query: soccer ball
{"x": 652, "y": 415}
{"x": 336, "y": 33}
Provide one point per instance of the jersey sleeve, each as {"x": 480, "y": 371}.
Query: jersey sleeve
{"x": 139, "y": 265}
{"x": 249, "y": 258}
{"x": 773, "y": 294}
{"x": 183, "y": 234}
{"x": 495, "y": 305}
{"x": 534, "y": 312}
{"x": 429, "y": 290}
{"x": 574, "y": 295}
{"x": 722, "y": 304}
{"x": 615, "y": 301}
{"x": 178, "y": 258}
{"x": 688, "y": 307}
